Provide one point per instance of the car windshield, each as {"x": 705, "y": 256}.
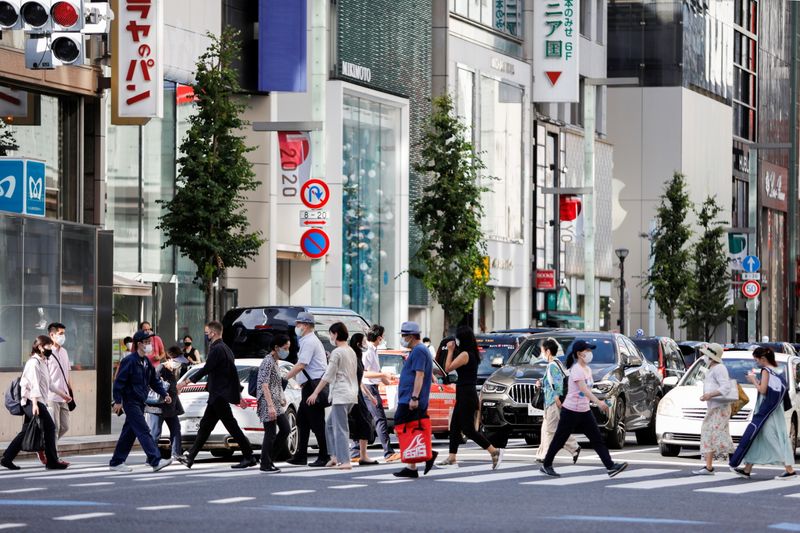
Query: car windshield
{"x": 242, "y": 370}
{"x": 391, "y": 363}
{"x": 737, "y": 369}
{"x": 649, "y": 348}
{"x": 491, "y": 353}
{"x": 530, "y": 352}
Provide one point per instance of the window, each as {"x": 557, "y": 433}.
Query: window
{"x": 586, "y": 18}
{"x": 501, "y": 15}
{"x": 600, "y": 17}
{"x": 465, "y": 100}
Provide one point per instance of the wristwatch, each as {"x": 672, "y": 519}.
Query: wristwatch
{"x": 415, "y": 398}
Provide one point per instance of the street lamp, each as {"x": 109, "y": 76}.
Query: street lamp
{"x": 622, "y": 253}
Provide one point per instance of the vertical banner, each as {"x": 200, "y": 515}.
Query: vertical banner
{"x": 22, "y": 186}
{"x": 295, "y": 148}
{"x": 137, "y": 77}
{"x": 35, "y": 190}
{"x": 282, "y": 50}
{"x": 555, "y": 50}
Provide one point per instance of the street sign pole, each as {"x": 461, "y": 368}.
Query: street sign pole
{"x": 752, "y": 303}
{"x": 319, "y": 75}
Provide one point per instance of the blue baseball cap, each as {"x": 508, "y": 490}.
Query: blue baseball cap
{"x": 582, "y": 345}
{"x": 141, "y": 335}
{"x": 410, "y": 328}
{"x": 304, "y": 317}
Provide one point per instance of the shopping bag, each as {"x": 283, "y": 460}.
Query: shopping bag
{"x": 741, "y": 402}
{"x": 415, "y": 440}
{"x": 33, "y": 440}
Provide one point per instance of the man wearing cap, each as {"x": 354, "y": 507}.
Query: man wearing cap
{"x": 135, "y": 377}
{"x": 224, "y": 389}
{"x": 312, "y": 362}
{"x": 414, "y": 388}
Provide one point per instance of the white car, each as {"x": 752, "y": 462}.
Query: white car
{"x": 681, "y": 413}
{"x": 194, "y": 399}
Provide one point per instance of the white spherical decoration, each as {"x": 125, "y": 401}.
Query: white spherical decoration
{"x": 371, "y": 174}
{"x": 346, "y": 299}
{"x": 364, "y": 267}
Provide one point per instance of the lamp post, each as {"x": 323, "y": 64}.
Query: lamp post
{"x": 622, "y": 253}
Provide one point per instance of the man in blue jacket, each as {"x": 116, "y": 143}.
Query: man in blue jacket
{"x": 135, "y": 377}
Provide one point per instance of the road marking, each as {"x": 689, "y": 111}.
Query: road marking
{"x": 627, "y": 519}
{"x": 785, "y": 526}
{"x": 84, "y": 516}
{"x": 675, "y": 482}
{"x": 35, "y": 473}
{"x": 292, "y": 508}
{"x": 233, "y": 500}
{"x": 449, "y": 471}
{"x": 353, "y": 486}
{"x": 293, "y": 492}
{"x": 626, "y": 452}
{"x": 392, "y": 481}
{"x": 95, "y": 484}
{"x": 51, "y": 503}
{"x": 246, "y": 473}
{"x": 320, "y": 472}
{"x": 151, "y": 477}
{"x": 163, "y": 507}
{"x": 574, "y": 480}
{"x": 15, "y": 491}
{"x": 11, "y": 526}
{"x": 500, "y": 476}
{"x": 745, "y": 487}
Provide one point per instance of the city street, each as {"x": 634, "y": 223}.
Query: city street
{"x": 654, "y": 494}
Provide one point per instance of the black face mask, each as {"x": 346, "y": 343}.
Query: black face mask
{"x": 187, "y": 344}
{"x": 47, "y": 353}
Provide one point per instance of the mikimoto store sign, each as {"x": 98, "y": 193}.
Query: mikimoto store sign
{"x": 555, "y": 50}
{"x": 137, "y": 77}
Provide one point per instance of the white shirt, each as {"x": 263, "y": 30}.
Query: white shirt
{"x": 342, "y": 374}
{"x": 371, "y": 364}
{"x": 717, "y": 379}
{"x": 312, "y": 355}
{"x": 35, "y": 382}
{"x": 58, "y": 381}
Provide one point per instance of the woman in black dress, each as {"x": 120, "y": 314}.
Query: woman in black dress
{"x": 360, "y": 421}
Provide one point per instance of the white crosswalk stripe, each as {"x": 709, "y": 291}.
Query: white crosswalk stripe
{"x": 501, "y": 475}
{"x": 674, "y": 482}
{"x": 743, "y": 486}
{"x": 320, "y": 472}
{"x": 438, "y": 472}
{"x": 576, "y": 480}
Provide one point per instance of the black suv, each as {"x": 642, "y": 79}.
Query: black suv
{"x": 248, "y": 331}
{"x": 512, "y": 400}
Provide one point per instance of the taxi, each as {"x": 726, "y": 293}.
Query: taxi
{"x": 442, "y": 398}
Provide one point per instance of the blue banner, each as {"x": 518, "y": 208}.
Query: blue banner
{"x": 12, "y": 187}
{"x": 35, "y": 190}
{"x": 282, "y": 51}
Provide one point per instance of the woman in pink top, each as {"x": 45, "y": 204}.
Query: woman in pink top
{"x": 576, "y": 416}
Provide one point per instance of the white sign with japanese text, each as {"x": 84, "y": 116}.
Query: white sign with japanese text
{"x": 555, "y": 50}
{"x": 137, "y": 66}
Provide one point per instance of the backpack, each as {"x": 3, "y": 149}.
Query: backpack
{"x": 13, "y": 398}
{"x": 252, "y": 383}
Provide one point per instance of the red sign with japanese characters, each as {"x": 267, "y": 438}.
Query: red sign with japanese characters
{"x": 137, "y": 67}
{"x": 545, "y": 280}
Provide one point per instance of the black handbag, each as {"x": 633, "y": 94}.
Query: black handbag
{"x": 33, "y": 440}
{"x": 323, "y": 398}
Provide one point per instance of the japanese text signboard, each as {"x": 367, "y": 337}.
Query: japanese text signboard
{"x": 137, "y": 83}
{"x": 555, "y": 50}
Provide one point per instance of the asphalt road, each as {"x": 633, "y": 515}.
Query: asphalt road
{"x": 654, "y": 494}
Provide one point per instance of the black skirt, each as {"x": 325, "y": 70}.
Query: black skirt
{"x": 360, "y": 420}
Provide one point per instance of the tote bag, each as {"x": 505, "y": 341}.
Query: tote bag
{"x": 33, "y": 440}
{"x": 415, "y": 440}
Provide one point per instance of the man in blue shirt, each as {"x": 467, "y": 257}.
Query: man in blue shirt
{"x": 414, "y": 388}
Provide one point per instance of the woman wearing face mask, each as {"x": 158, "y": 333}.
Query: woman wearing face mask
{"x": 272, "y": 403}
{"x": 765, "y": 441}
{"x": 359, "y": 420}
{"x": 553, "y": 389}
{"x": 463, "y": 357}
{"x": 576, "y": 415}
{"x": 190, "y": 352}
{"x": 35, "y": 387}
{"x": 715, "y": 434}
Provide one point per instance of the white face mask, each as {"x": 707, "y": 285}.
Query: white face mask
{"x": 404, "y": 342}
{"x": 148, "y": 349}
{"x": 298, "y": 330}
{"x": 283, "y": 354}
{"x": 706, "y": 360}
{"x": 458, "y": 343}
{"x": 587, "y": 358}
{"x": 60, "y": 339}
{"x": 129, "y": 346}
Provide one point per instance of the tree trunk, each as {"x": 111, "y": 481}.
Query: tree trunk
{"x": 208, "y": 289}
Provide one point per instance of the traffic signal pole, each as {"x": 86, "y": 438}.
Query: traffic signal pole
{"x": 319, "y": 75}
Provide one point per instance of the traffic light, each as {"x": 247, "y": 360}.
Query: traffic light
{"x": 36, "y": 16}
{"x": 9, "y": 15}
{"x": 53, "y": 50}
{"x": 67, "y": 15}
{"x": 55, "y": 36}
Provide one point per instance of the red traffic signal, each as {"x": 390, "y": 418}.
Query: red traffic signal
{"x": 569, "y": 207}
{"x": 67, "y": 15}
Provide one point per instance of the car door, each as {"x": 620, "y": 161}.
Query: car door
{"x": 632, "y": 382}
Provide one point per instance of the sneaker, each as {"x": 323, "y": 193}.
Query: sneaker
{"x": 42, "y": 457}
{"x": 787, "y": 475}
{"x": 392, "y": 458}
{"x": 703, "y": 472}
{"x": 8, "y": 463}
{"x": 447, "y": 463}
{"x": 548, "y": 471}
{"x": 407, "y": 473}
{"x": 497, "y": 458}
{"x": 186, "y": 460}
{"x": 739, "y": 471}
{"x": 247, "y": 462}
{"x": 122, "y": 467}
{"x": 577, "y": 454}
{"x": 617, "y": 469}
{"x": 161, "y": 465}
{"x": 429, "y": 462}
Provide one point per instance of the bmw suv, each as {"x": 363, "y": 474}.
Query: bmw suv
{"x": 512, "y": 400}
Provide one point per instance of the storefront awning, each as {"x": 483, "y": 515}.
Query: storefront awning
{"x": 131, "y": 287}
{"x": 565, "y": 320}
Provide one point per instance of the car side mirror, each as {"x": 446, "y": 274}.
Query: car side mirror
{"x": 497, "y": 362}
{"x": 632, "y": 361}
{"x": 671, "y": 381}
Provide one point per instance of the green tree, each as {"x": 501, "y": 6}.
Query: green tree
{"x": 8, "y": 142}
{"x": 706, "y": 306}
{"x": 205, "y": 220}
{"x": 668, "y": 278}
{"x": 450, "y": 258}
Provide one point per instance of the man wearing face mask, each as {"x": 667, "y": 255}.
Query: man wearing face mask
{"x": 312, "y": 362}
{"x": 224, "y": 389}
{"x": 136, "y": 376}
{"x": 60, "y": 378}
{"x": 158, "y": 353}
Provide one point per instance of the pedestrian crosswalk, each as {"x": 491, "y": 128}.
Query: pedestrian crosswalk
{"x": 640, "y": 476}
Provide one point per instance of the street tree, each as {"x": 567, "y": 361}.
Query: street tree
{"x": 8, "y": 142}
{"x": 669, "y": 276}
{"x": 707, "y": 304}
{"x": 450, "y": 258}
{"x": 205, "y": 220}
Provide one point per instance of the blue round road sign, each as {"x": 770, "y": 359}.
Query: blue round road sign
{"x": 315, "y": 243}
{"x": 751, "y": 264}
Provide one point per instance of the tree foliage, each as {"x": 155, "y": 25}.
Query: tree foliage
{"x": 670, "y": 274}
{"x": 707, "y": 305}
{"x": 8, "y": 142}
{"x": 205, "y": 220}
{"x": 450, "y": 256}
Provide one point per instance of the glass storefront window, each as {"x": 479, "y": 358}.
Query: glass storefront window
{"x": 501, "y": 15}
{"x": 371, "y": 159}
{"x": 465, "y": 100}
{"x": 501, "y": 149}
{"x": 11, "y": 269}
{"x": 123, "y": 206}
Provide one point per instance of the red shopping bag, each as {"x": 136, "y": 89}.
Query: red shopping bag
{"x": 415, "y": 440}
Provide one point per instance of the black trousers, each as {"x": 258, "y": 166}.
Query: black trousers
{"x": 269, "y": 442}
{"x": 49, "y": 434}
{"x": 219, "y": 410}
{"x": 574, "y": 422}
{"x": 463, "y": 419}
{"x": 310, "y": 418}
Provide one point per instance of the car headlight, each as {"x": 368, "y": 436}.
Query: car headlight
{"x": 603, "y": 387}
{"x": 668, "y": 407}
{"x": 493, "y": 388}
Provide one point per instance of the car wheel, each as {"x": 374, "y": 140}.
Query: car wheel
{"x": 225, "y": 454}
{"x": 532, "y": 440}
{"x": 669, "y": 450}
{"x": 648, "y": 435}
{"x": 615, "y": 438}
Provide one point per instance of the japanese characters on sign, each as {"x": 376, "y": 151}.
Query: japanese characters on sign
{"x": 137, "y": 68}
{"x": 555, "y": 50}
{"x": 774, "y": 185}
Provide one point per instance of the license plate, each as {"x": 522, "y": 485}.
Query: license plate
{"x": 192, "y": 424}
{"x": 532, "y": 411}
